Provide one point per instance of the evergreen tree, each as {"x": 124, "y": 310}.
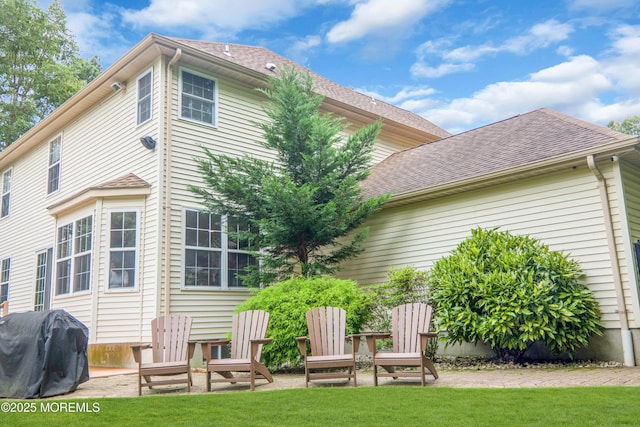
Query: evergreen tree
{"x": 303, "y": 207}
{"x": 39, "y": 65}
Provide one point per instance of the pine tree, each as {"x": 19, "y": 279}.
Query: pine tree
{"x": 306, "y": 208}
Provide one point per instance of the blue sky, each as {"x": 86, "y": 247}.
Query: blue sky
{"x": 459, "y": 63}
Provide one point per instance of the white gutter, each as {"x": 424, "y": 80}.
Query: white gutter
{"x": 167, "y": 186}
{"x": 627, "y": 342}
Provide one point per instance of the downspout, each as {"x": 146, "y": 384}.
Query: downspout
{"x": 627, "y": 342}
{"x": 167, "y": 184}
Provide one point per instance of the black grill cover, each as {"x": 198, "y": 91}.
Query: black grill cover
{"x": 42, "y": 354}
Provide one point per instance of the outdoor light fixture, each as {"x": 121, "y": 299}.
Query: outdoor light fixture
{"x": 116, "y": 86}
{"x": 148, "y": 142}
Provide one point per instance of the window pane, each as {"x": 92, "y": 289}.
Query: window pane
{"x": 63, "y": 277}
{"x": 54, "y": 151}
{"x": 64, "y": 241}
{"x": 6, "y": 182}
{"x": 5, "y": 205}
{"x": 117, "y": 220}
{"x": 129, "y": 220}
{"x": 54, "y": 178}
{"x": 198, "y": 97}
{"x": 82, "y": 272}
{"x": 41, "y": 280}
{"x": 123, "y": 244}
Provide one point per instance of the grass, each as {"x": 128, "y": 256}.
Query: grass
{"x": 378, "y": 406}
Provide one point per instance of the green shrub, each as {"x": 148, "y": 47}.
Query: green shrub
{"x": 511, "y": 291}
{"x": 405, "y": 285}
{"x": 288, "y": 301}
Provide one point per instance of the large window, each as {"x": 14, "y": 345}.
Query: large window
{"x": 73, "y": 256}
{"x": 213, "y": 259}
{"x": 5, "y": 269}
{"x": 5, "y": 193}
{"x": 144, "y": 97}
{"x": 197, "y": 98}
{"x": 122, "y": 249}
{"x": 53, "y": 180}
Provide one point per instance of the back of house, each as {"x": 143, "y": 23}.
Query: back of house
{"x": 97, "y": 217}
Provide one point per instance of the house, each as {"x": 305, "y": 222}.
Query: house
{"x": 96, "y": 216}
{"x": 573, "y": 185}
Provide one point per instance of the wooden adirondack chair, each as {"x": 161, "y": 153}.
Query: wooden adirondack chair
{"x": 327, "y": 329}
{"x": 247, "y": 338}
{"x": 410, "y": 334}
{"x": 171, "y": 352}
{"x": 5, "y": 308}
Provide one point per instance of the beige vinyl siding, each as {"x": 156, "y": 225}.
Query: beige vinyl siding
{"x": 236, "y": 134}
{"x": 27, "y": 217}
{"x": 630, "y": 177}
{"x": 100, "y": 145}
{"x": 563, "y": 210}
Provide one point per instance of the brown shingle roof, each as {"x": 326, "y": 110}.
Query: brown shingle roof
{"x": 528, "y": 138}
{"x": 256, "y": 58}
{"x": 127, "y": 181}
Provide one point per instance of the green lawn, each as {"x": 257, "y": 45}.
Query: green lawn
{"x": 372, "y": 406}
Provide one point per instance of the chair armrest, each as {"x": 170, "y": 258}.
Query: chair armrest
{"x": 424, "y": 339}
{"x": 255, "y": 344}
{"x": 302, "y": 345}
{"x": 137, "y": 351}
{"x": 372, "y": 337}
{"x": 190, "y": 350}
{"x": 207, "y": 344}
{"x": 355, "y": 341}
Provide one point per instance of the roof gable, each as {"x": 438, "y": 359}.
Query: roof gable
{"x": 522, "y": 140}
{"x": 256, "y": 58}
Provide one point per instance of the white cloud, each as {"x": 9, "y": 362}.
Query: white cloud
{"x": 461, "y": 59}
{"x": 300, "y": 48}
{"x": 376, "y": 16}
{"x": 214, "y": 17}
{"x": 420, "y": 69}
{"x": 571, "y": 87}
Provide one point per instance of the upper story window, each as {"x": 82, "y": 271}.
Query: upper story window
{"x": 5, "y": 268}
{"x": 144, "y": 87}
{"x": 198, "y": 96}
{"x": 123, "y": 244}
{"x": 73, "y": 256}
{"x": 5, "y": 193}
{"x": 53, "y": 181}
{"x": 213, "y": 259}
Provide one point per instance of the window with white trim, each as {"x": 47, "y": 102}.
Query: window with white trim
{"x": 53, "y": 177}
{"x": 6, "y": 193}
{"x": 212, "y": 258}
{"x": 5, "y": 270}
{"x": 123, "y": 243}
{"x": 73, "y": 256}
{"x": 144, "y": 91}
{"x": 43, "y": 280}
{"x": 198, "y": 95}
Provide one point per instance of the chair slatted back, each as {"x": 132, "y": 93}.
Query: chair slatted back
{"x": 169, "y": 337}
{"x": 246, "y": 326}
{"x": 327, "y": 329}
{"x": 5, "y": 308}
{"x": 407, "y": 321}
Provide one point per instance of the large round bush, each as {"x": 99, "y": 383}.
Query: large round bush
{"x": 510, "y": 291}
{"x": 288, "y": 301}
